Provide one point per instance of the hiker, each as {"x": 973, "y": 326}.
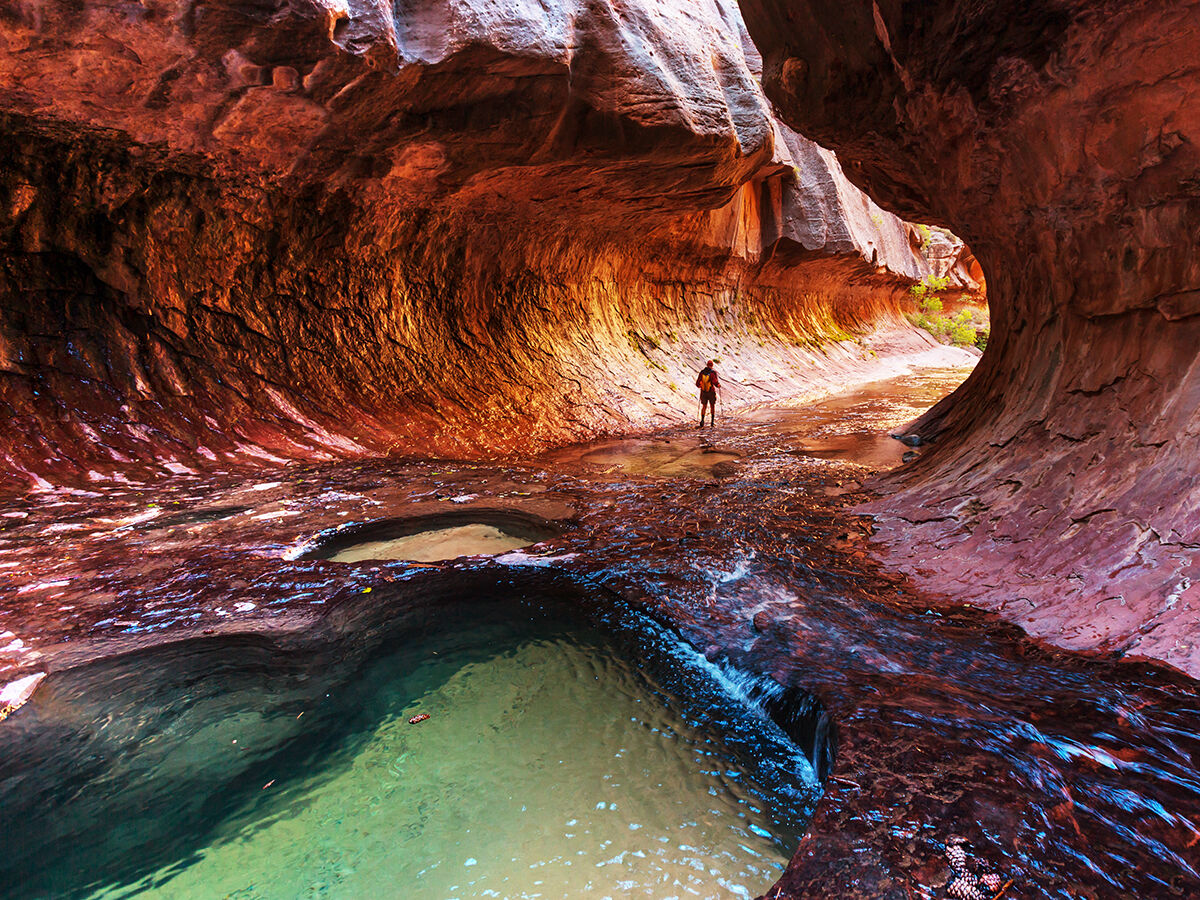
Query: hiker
{"x": 709, "y": 384}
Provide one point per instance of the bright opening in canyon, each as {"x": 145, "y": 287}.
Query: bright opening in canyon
{"x": 600, "y": 448}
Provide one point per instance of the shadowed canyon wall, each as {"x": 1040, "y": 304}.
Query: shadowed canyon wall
{"x": 1060, "y": 139}
{"x": 235, "y": 233}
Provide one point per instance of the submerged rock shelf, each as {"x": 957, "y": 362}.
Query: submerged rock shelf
{"x": 433, "y": 537}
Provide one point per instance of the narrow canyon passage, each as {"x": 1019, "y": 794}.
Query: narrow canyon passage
{"x": 293, "y": 285}
{"x": 931, "y": 721}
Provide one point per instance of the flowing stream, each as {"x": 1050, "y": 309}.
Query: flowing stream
{"x": 1069, "y": 777}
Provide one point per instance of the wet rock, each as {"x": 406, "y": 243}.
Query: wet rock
{"x": 724, "y": 470}
{"x": 1062, "y": 141}
{"x": 926, "y": 723}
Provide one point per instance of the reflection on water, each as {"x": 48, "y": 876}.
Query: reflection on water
{"x": 663, "y": 458}
{"x": 857, "y": 427}
{"x": 436, "y": 545}
{"x": 549, "y": 767}
{"x": 854, "y": 427}
{"x": 878, "y": 451}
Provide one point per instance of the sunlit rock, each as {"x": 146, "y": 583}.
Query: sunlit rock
{"x": 238, "y": 237}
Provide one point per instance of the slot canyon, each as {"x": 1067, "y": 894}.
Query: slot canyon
{"x": 356, "y": 533}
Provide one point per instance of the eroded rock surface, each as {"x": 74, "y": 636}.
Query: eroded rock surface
{"x": 1073, "y": 777}
{"x": 237, "y": 235}
{"x": 1062, "y": 141}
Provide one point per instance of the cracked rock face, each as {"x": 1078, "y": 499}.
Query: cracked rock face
{"x": 236, "y": 234}
{"x": 1062, "y": 141}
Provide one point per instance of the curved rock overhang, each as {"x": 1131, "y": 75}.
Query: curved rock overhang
{"x": 236, "y": 233}
{"x": 1062, "y": 141}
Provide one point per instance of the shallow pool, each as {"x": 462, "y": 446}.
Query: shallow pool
{"x": 561, "y": 758}
{"x": 689, "y": 457}
{"x": 436, "y": 545}
{"x": 432, "y": 537}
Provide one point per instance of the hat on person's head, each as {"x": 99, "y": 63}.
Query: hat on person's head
{"x": 709, "y": 363}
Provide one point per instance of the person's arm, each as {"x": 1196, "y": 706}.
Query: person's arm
{"x": 698, "y": 381}
{"x": 716, "y": 380}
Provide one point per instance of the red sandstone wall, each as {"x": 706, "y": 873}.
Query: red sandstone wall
{"x": 238, "y": 236}
{"x": 1062, "y": 141}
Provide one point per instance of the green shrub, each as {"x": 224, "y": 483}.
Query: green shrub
{"x": 962, "y": 334}
{"x": 930, "y": 284}
{"x": 959, "y": 329}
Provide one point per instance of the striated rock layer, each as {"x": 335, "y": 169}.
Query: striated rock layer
{"x": 233, "y": 234}
{"x": 1062, "y": 141}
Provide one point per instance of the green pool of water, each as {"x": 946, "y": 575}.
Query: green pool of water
{"x": 551, "y": 766}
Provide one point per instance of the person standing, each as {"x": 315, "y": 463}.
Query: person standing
{"x": 709, "y": 383}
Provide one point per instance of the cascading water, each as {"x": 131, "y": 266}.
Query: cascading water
{"x": 562, "y": 756}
